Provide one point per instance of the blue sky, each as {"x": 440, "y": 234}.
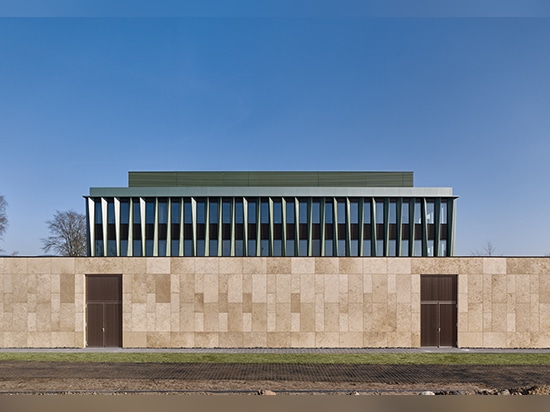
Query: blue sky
{"x": 461, "y": 101}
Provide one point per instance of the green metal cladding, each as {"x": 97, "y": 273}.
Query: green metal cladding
{"x": 271, "y": 179}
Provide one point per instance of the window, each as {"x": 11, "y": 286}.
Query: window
{"x": 392, "y": 247}
{"x": 111, "y": 250}
{"x": 124, "y": 212}
{"x": 341, "y": 247}
{"x": 251, "y": 247}
{"x": 290, "y": 247}
{"x": 149, "y": 247}
{"x": 443, "y": 213}
{"x": 328, "y": 211}
{"x": 316, "y": 247}
{"x": 277, "y": 212}
{"x": 226, "y": 211}
{"x": 175, "y": 247}
{"x": 124, "y": 247}
{"x": 98, "y": 212}
{"x": 213, "y": 247}
{"x": 303, "y": 211}
{"x": 418, "y": 247}
{"x": 367, "y": 247}
{"x": 264, "y": 213}
{"x": 277, "y": 247}
{"x": 393, "y": 213}
{"x": 430, "y": 207}
{"x": 137, "y": 214}
{"x": 226, "y": 247}
{"x": 137, "y": 247}
{"x": 99, "y": 247}
{"x": 239, "y": 247}
{"x": 417, "y": 214}
{"x": 200, "y": 247}
{"x": 239, "y": 212}
{"x": 175, "y": 211}
{"x": 328, "y": 247}
{"x": 405, "y": 213}
{"x": 354, "y": 212}
{"x": 443, "y": 247}
{"x": 290, "y": 211}
{"x": 315, "y": 211}
{"x": 213, "y": 212}
{"x": 162, "y": 247}
{"x": 201, "y": 212}
{"x": 366, "y": 212}
{"x": 163, "y": 211}
{"x": 264, "y": 251}
{"x": 354, "y": 247}
{"x": 252, "y": 212}
{"x": 111, "y": 212}
{"x": 188, "y": 247}
{"x": 379, "y": 211}
{"x": 405, "y": 247}
{"x": 379, "y": 247}
{"x": 303, "y": 247}
{"x": 341, "y": 213}
{"x": 430, "y": 247}
{"x": 150, "y": 212}
{"x": 187, "y": 213}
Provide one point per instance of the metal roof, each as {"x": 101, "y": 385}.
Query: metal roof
{"x": 270, "y": 179}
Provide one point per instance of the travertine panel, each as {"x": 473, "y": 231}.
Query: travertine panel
{"x": 303, "y": 265}
{"x": 494, "y": 266}
{"x": 206, "y": 265}
{"x": 162, "y": 288}
{"x": 375, "y": 265}
{"x": 400, "y": 266}
{"x": 349, "y": 266}
{"x": 326, "y": 266}
{"x": 279, "y": 266}
{"x": 158, "y": 265}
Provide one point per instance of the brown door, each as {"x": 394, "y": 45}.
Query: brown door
{"x": 104, "y": 310}
{"x": 438, "y": 311}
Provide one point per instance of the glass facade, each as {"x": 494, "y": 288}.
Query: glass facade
{"x": 271, "y": 226}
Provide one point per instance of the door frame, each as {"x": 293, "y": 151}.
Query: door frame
{"x": 435, "y": 294}
{"x": 108, "y": 301}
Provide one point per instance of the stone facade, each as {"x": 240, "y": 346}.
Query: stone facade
{"x": 275, "y": 302}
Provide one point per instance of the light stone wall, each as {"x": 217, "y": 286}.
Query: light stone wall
{"x": 275, "y": 302}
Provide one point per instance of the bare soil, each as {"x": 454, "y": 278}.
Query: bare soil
{"x": 281, "y": 379}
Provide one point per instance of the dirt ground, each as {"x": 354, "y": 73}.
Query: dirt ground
{"x": 170, "y": 386}
{"x": 254, "y": 379}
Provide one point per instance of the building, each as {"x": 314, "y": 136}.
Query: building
{"x": 271, "y": 214}
{"x": 273, "y": 259}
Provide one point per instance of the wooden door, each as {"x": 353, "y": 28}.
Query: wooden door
{"x": 438, "y": 310}
{"x": 104, "y": 310}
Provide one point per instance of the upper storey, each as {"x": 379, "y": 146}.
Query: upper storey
{"x": 270, "y": 179}
{"x": 269, "y": 184}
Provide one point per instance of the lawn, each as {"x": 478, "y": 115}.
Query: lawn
{"x": 311, "y": 358}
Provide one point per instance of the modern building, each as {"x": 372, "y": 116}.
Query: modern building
{"x": 271, "y": 214}
{"x": 273, "y": 259}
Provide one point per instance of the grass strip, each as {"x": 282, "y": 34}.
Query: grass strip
{"x": 302, "y": 358}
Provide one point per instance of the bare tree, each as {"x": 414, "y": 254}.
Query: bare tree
{"x": 67, "y": 234}
{"x": 488, "y": 249}
{"x": 3, "y": 215}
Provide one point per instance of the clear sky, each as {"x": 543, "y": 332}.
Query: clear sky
{"x": 463, "y": 102}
